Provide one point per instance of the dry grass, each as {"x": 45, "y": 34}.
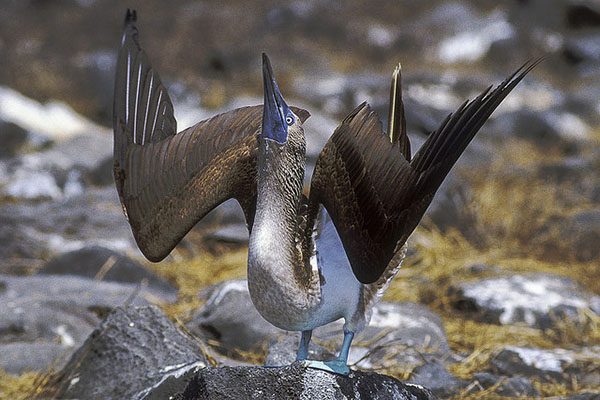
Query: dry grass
{"x": 21, "y": 387}
{"x": 193, "y": 274}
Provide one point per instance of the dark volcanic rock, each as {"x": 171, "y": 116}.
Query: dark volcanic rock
{"x": 134, "y": 349}
{"x": 91, "y": 261}
{"x": 536, "y": 300}
{"x": 295, "y": 382}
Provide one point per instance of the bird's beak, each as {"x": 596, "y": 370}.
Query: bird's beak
{"x": 274, "y": 126}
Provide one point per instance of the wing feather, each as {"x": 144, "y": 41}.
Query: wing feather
{"x": 374, "y": 193}
{"x": 168, "y": 181}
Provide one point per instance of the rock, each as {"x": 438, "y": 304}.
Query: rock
{"x": 231, "y": 234}
{"x": 294, "y": 382}
{"x": 51, "y": 173}
{"x": 517, "y": 386}
{"x": 133, "y": 350}
{"x": 20, "y": 357}
{"x": 406, "y": 324}
{"x": 407, "y": 334}
{"x": 39, "y": 230}
{"x": 528, "y": 125}
{"x": 229, "y": 317}
{"x": 549, "y": 365}
{"x": 437, "y": 378}
{"x": 52, "y": 315}
{"x": 12, "y": 137}
{"x": 102, "y": 173}
{"x": 93, "y": 261}
{"x": 452, "y": 207}
{"x": 536, "y": 300}
{"x": 577, "y": 235}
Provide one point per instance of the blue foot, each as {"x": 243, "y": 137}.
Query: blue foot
{"x": 337, "y": 367}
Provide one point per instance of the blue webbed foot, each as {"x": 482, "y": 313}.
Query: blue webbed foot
{"x": 337, "y": 367}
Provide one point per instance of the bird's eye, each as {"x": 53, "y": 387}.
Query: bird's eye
{"x": 289, "y": 120}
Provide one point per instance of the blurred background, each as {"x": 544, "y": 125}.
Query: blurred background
{"x": 519, "y": 214}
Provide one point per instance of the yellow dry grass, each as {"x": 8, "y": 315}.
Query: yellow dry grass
{"x": 21, "y": 387}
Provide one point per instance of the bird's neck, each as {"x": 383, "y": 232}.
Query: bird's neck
{"x": 279, "y": 186}
{"x": 274, "y": 255}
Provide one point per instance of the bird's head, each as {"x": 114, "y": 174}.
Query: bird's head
{"x": 278, "y": 119}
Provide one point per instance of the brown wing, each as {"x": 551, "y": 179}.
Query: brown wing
{"x": 375, "y": 196}
{"x": 168, "y": 181}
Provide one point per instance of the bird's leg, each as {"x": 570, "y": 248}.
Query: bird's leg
{"x": 339, "y": 366}
{"x": 343, "y": 357}
{"x": 303, "y": 348}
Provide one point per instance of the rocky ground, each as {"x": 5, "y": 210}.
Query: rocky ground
{"x": 500, "y": 293}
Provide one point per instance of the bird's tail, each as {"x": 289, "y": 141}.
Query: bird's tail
{"x": 396, "y": 119}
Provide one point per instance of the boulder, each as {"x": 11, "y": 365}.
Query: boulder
{"x": 293, "y": 382}
{"x": 518, "y": 386}
{"x": 50, "y": 316}
{"x": 401, "y": 336}
{"x": 108, "y": 265}
{"x": 134, "y": 349}
{"x": 577, "y": 236}
{"x": 39, "y": 230}
{"x": 20, "y": 357}
{"x": 439, "y": 380}
{"x": 229, "y": 317}
{"x": 536, "y": 300}
{"x": 549, "y": 365}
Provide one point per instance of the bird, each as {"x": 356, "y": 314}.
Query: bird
{"x": 312, "y": 259}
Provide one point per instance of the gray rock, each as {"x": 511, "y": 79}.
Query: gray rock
{"x": 548, "y": 365}
{"x": 535, "y": 300}
{"x": 12, "y": 137}
{"x": 20, "y": 357}
{"x": 52, "y": 315}
{"x": 91, "y": 261}
{"x": 102, "y": 173}
{"x": 282, "y": 350}
{"x": 133, "y": 350}
{"x": 452, "y": 207}
{"x": 55, "y": 173}
{"x": 229, "y": 317}
{"x": 577, "y": 235}
{"x": 39, "y": 230}
{"x": 584, "y": 396}
{"x": 437, "y": 378}
{"x": 517, "y": 386}
{"x": 232, "y": 234}
{"x": 295, "y": 382}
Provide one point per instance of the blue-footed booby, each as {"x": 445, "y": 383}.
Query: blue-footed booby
{"x": 311, "y": 260}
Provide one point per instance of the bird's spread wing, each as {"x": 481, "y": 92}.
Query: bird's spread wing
{"x": 167, "y": 181}
{"x": 374, "y": 194}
